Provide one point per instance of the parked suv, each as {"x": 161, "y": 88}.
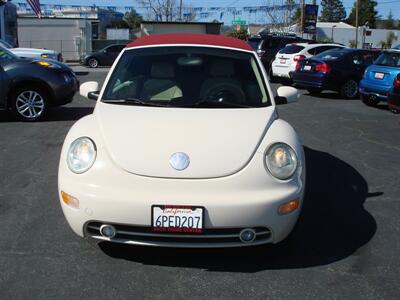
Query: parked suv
{"x": 378, "y": 78}
{"x": 271, "y": 44}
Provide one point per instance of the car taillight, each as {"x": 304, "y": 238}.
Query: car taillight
{"x": 323, "y": 68}
{"x": 299, "y": 57}
{"x": 396, "y": 82}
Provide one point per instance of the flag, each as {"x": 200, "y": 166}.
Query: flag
{"x": 35, "y": 4}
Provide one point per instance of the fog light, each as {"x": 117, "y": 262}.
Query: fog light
{"x": 247, "y": 235}
{"x": 69, "y": 200}
{"x": 288, "y": 207}
{"x": 107, "y": 231}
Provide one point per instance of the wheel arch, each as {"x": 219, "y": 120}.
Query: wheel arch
{"x": 28, "y": 82}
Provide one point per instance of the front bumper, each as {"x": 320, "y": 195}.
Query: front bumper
{"x": 65, "y": 89}
{"x": 249, "y": 198}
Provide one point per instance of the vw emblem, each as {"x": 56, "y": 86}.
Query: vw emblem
{"x": 179, "y": 161}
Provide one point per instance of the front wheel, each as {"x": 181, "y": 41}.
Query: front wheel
{"x": 349, "y": 89}
{"x": 29, "y": 104}
{"x": 93, "y": 62}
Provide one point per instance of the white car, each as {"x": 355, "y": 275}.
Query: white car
{"x": 286, "y": 60}
{"x": 184, "y": 148}
{"x": 32, "y": 52}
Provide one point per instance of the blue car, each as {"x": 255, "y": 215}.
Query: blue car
{"x": 378, "y": 78}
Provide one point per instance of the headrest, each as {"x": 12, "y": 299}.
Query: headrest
{"x": 222, "y": 68}
{"x": 162, "y": 70}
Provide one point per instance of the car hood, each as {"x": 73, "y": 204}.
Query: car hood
{"x": 219, "y": 142}
{"x": 33, "y": 51}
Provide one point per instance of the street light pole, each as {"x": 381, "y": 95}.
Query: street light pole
{"x": 357, "y": 23}
{"x": 302, "y": 17}
{"x": 333, "y": 27}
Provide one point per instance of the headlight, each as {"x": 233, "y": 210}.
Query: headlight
{"x": 46, "y": 64}
{"x": 81, "y": 155}
{"x": 281, "y": 161}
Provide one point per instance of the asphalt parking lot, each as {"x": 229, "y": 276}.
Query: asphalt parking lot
{"x": 346, "y": 244}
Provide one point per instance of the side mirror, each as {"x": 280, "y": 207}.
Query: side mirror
{"x": 105, "y": 51}
{"x": 286, "y": 94}
{"x": 90, "y": 90}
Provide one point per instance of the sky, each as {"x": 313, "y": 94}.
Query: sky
{"x": 384, "y": 6}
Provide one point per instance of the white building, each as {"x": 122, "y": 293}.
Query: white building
{"x": 71, "y": 37}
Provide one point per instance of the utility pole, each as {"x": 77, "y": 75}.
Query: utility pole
{"x": 180, "y": 11}
{"x": 357, "y": 23}
{"x": 314, "y": 37}
{"x": 302, "y": 17}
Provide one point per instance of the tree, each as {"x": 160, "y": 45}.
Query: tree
{"x": 133, "y": 19}
{"x": 389, "y": 22}
{"x": 332, "y": 11}
{"x": 279, "y": 17}
{"x": 390, "y": 38}
{"x": 160, "y": 10}
{"x": 240, "y": 34}
{"x": 366, "y": 13}
{"x": 352, "y": 44}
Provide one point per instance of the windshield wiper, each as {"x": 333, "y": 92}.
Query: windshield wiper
{"x": 218, "y": 103}
{"x": 133, "y": 101}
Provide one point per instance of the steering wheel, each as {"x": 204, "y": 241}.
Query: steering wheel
{"x": 225, "y": 92}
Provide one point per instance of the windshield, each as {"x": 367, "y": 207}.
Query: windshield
{"x": 389, "y": 59}
{"x": 334, "y": 54}
{"x": 291, "y": 49}
{"x": 187, "y": 77}
{"x": 254, "y": 43}
{"x": 6, "y": 54}
{"x": 5, "y": 44}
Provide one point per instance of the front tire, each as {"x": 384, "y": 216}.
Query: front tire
{"x": 349, "y": 89}
{"x": 93, "y": 63}
{"x": 29, "y": 103}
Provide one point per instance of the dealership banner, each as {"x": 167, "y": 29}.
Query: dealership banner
{"x": 35, "y": 4}
{"x": 310, "y": 19}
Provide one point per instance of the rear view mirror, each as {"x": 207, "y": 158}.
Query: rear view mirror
{"x": 90, "y": 90}
{"x": 286, "y": 94}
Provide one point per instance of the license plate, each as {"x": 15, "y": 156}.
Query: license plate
{"x": 173, "y": 218}
{"x": 307, "y": 68}
{"x": 379, "y": 75}
{"x": 283, "y": 61}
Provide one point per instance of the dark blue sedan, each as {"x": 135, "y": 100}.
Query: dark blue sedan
{"x": 338, "y": 70}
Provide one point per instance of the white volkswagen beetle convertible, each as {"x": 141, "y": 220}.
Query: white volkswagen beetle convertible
{"x": 184, "y": 149}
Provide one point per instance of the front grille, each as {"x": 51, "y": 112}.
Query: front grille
{"x": 145, "y": 235}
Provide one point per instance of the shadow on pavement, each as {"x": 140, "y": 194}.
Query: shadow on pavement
{"x": 54, "y": 114}
{"x": 330, "y": 95}
{"x": 332, "y": 226}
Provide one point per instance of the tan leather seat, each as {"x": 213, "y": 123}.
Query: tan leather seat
{"x": 161, "y": 86}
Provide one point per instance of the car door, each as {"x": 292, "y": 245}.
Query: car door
{"x": 358, "y": 65}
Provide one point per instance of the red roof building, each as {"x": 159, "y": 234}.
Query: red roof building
{"x": 190, "y": 39}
